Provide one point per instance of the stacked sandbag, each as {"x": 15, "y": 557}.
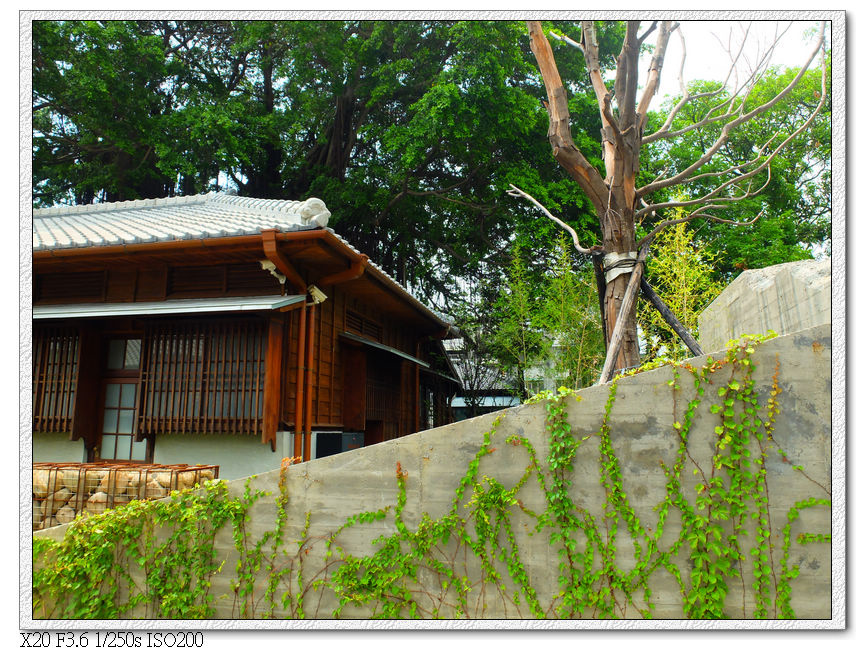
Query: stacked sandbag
{"x": 62, "y": 492}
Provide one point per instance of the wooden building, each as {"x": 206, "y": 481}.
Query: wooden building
{"x": 224, "y": 330}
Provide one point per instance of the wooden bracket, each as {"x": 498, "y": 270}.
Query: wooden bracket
{"x": 352, "y": 273}
{"x": 271, "y": 250}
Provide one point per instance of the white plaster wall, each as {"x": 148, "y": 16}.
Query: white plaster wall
{"x": 57, "y": 448}
{"x": 237, "y": 456}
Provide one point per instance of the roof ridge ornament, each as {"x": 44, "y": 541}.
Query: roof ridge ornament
{"x": 313, "y": 211}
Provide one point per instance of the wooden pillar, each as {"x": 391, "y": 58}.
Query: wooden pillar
{"x": 298, "y": 391}
{"x": 273, "y": 379}
{"x": 407, "y": 394}
{"x": 416, "y": 399}
{"x": 310, "y": 358}
{"x": 85, "y": 413}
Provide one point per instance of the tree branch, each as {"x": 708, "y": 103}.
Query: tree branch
{"x": 766, "y": 164}
{"x": 664, "y": 131}
{"x": 609, "y": 125}
{"x": 515, "y": 191}
{"x": 699, "y": 212}
{"x": 565, "y": 39}
{"x": 744, "y": 117}
{"x": 654, "y": 75}
{"x": 713, "y": 195}
{"x": 559, "y": 134}
{"x": 647, "y": 32}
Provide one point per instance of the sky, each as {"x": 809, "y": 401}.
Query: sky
{"x": 706, "y": 42}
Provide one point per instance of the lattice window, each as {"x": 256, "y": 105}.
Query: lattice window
{"x": 55, "y": 375}
{"x": 120, "y": 402}
{"x": 358, "y": 324}
{"x": 203, "y": 377}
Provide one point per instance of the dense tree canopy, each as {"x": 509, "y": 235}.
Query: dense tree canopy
{"x": 411, "y": 131}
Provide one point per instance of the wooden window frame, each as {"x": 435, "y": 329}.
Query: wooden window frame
{"x": 56, "y": 351}
{"x": 227, "y": 374}
{"x": 119, "y": 376}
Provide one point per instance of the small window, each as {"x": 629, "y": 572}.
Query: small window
{"x": 124, "y": 354}
{"x": 119, "y": 424}
{"x": 358, "y": 324}
{"x": 120, "y": 403}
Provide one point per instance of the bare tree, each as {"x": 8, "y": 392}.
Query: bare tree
{"x": 620, "y": 204}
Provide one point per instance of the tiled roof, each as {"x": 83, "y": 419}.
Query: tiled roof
{"x": 201, "y": 216}
{"x": 155, "y": 220}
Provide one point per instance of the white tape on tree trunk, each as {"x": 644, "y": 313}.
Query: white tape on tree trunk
{"x": 616, "y": 264}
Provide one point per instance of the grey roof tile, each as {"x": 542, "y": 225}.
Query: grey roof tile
{"x": 152, "y": 220}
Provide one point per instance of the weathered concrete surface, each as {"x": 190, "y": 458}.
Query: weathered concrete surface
{"x": 643, "y": 435}
{"x": 784, "y": 298}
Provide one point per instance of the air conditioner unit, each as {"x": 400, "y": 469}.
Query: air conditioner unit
{"x": 328, "y": 443}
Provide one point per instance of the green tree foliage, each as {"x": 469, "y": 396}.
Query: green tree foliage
{"x": 681, "y": 272}
{"x": 411, "y": 131}
{"x": 546, "y": 327}
{"x": 101, "y": 96}
{"x": 571, "y": 318}
{"x": 519, "y": 341}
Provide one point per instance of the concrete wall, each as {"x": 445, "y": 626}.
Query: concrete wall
{"x": 784, "y": 298}
{"x": 643, "y": 436}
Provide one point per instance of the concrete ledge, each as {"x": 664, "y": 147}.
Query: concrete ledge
{"x": 784, "y": 298}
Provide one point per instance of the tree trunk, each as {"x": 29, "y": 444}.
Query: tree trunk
{"x": 614, "y": 197}
{"x": 617, "y": 223}
{"x": 629, "y": 353}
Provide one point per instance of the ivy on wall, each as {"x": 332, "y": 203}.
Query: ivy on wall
{"x": 157, "y": 559}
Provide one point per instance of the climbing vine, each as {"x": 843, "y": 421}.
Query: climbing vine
{"x": 154, "y": 558}
{"x": 710, "y": 533}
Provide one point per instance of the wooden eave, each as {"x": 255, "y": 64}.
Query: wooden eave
{"x": 316, "y": 254}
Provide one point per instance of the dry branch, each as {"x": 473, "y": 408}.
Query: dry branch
{"x": 565, "y": 151}
{"x": 685, "y": 174}
{"x": 515, "y": 191}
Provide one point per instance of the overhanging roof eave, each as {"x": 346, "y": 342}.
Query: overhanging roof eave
{"x": 384, "y": 348}
{"x": 164, "y": 307}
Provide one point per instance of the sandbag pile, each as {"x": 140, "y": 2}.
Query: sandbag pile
{"x": 62, "y": 491}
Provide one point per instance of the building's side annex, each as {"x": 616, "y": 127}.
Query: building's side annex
{"x": 218, "y": 329}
